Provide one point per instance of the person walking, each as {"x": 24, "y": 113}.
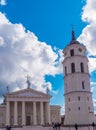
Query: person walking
{"x": 76, "y": 127}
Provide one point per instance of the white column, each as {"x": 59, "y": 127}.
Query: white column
{"x": 23, "y": 113}
{"x": 8, "y": 113}
{"x": 34, "y": 114}
{"x": 41, "y": 113}
{"x": 15, "y": 114}
{"x": 48, "y": 113}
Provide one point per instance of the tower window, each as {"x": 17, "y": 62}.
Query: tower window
{"x": 82, "y": 67}
{"x": 69, "y": 99}
{"x": 87, "y": 98}
{"x": 65, "y": 70}
{"x": 83, "y": 86}
{"x": 79, "y": 108}
{"x": 89, "y": 108}
{"x": 72, "y": 52}
{"x": 78, "y": 98}
{"x": 72, "y": 67}
{"x": 68, "y": 109}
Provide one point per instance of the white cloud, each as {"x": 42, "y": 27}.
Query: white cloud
{"x": 88, "y": 37}
{"x": 92, "y": 64}
{"x": 89, "y": 11}
{"x": 93, "y": 87}
{"x": 63, "y": 110}
{"x": 2, "y": 2}
{"x": 21, "y": 54}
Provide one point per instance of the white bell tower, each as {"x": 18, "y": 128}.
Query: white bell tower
{"x": 78, "y": 97}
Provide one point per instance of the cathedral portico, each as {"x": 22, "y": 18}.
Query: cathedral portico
{"x": 23, "y": 109}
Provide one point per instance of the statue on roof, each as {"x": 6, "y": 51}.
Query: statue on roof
{"x": 47, "y": 90}
{"x": 28, "y": 82}
{"x": 7, "y": 87}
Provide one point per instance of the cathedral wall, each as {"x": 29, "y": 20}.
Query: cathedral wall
{"x": 55, "y": 114}
{"x": 76, "y": 60}
{"x": 73, "y": 82}
{"x": 76, "y": 48}
{"x": 2, "y": 115}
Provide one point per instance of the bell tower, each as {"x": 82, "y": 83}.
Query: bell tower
{"x": 78, "y": 97}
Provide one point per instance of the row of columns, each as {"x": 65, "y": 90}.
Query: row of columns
{"x": 47, "y": 112}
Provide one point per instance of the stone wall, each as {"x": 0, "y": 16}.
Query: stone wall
{"x": 55, "y": 114}
{"x": 2, "y": 115}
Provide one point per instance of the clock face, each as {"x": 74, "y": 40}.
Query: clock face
{"x": 80, "y": 49}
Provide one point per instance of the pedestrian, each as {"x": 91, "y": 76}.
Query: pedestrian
{"x": 59, "y": 126}
{"x": 55, "y": 126}
{"x": 7, "y": 127}
{"x": 52, "y": 125}
{"x": 76, "y": 127}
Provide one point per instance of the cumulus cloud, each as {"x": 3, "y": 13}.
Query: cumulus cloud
{"x": 93, "y": 87}
{"x": 63, "y": 109}
{"x": 88, "y": 37}
{"x": 22, "y": 54}
{"x": 89, "y": 11}
{"x": 2, "y": 2}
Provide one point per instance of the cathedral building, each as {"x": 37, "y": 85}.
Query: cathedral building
{"x": 28, "y": 107}
{"x": 78, "y": 97}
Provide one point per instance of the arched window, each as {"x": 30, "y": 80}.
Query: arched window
{"x": 89, "y": 108}
{"x": 79, "y": 108}
{"x": 78, "y": 98}
{"x": 69, "y": 99}
{"x": 72, "y": 52}
{"x": 65, "y": 70}
{"x": 87, "y": 98}
{"x": 83, "y": 85}
{"x": 82, "y": 67}
{"x": 72, "y": 67}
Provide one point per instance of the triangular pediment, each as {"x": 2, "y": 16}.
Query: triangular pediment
{"x": 28, "y": 93}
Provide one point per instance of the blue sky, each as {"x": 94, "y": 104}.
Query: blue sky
{"x": 33, "y": 34}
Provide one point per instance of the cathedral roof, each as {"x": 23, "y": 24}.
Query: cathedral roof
{"x": 28, "y": 93}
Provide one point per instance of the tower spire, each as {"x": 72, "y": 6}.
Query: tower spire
{"x": 73, "y": 34}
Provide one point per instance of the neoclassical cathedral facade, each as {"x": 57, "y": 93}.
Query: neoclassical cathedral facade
{"x": 28, "y": 107}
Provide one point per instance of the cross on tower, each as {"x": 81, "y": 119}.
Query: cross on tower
{"x": 73, "y": 33}
{"x": 28, "y": 82}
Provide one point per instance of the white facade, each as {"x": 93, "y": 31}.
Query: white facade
{"x": 27, "y": 107}
{"x": 78, "y": 97}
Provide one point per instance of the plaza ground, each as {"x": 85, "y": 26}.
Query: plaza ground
{"x": 50, "y": 128}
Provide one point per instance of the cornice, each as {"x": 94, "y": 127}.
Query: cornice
{"x": 71, "y": 57}
{"x": 84, "y": 91}
{"x": 68, "y": 74}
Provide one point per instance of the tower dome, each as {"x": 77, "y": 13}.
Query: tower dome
{"x": 78, "y": 97}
